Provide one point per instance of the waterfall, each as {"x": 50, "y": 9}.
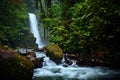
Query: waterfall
{"x": 34, "y": 29}
{"x": 52, "y": 71}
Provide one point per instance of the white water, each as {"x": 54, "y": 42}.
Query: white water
{"x": 34, "y": 29}
{"x": 52, "y": 71}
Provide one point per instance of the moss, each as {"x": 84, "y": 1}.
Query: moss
{"x": 14, "y": 66}
{"x": 54, "y": 52}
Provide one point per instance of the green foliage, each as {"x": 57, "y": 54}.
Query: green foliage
{"x": 84, "y": 25}
{"x": 14, "y": 30}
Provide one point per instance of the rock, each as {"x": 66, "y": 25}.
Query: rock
{"x": 31, "y": 58}
{"x": 40, "y": 50}
{"x": 71, "y": 55}
{"x": 14, "y": 66}
{"x": 65, "y": 65}
{"x": 22, "y": 51}
{"x": 54, "y": 52}
{"x": 38, "y": 62}
{"x": 69, "y": 62}
{"x": 32, "y": 54}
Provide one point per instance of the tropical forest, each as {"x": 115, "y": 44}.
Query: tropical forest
{"x": 59, "y": 40}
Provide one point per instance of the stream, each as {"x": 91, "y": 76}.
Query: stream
{"x": 52, "y": 71}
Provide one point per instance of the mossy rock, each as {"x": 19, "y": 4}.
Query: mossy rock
{"x": 54, "y": 52}
{"x": 14, "y": 66}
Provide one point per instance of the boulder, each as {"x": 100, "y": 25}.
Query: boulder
{"x": 38, "y": 62}
{"x": 54, "y": 52}
{"x": 14, "y": 66}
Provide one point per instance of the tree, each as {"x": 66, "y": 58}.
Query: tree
{"x": 84, "y": 25}
{"x": 14, "y": 28}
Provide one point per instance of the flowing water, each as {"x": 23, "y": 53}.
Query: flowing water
{"x": 34, "y": 29}
{"x": 52, "y": 71}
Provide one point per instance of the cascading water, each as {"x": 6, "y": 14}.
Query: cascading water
{"x": 52, "y": 71}
{"x": 34, "y": 29}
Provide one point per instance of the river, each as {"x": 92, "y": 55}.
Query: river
{"x": 52, "y": 71}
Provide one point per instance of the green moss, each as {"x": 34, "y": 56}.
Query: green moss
{"x": 54, "y": 52}
{"x": 14, "y": 66}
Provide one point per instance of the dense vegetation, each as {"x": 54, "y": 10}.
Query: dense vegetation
{"x": 79, "y": 26}
{"x": 84, "y": 26}
{"x": 14, "y": 28}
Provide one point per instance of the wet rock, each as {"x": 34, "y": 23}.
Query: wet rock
{"x": 32, "y": 54}
{"x": 65, "y": 65}
{"x": 31, "y": 58}
{"x": 69, "y": 62}
{"x": 41, "y": 50}
{"x": 38, "y": 62}
{"x": 54, "y": 52}
{"x": 14, "y": 66}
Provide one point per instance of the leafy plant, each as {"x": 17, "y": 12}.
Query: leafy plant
{"x": 83, "y": 25}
